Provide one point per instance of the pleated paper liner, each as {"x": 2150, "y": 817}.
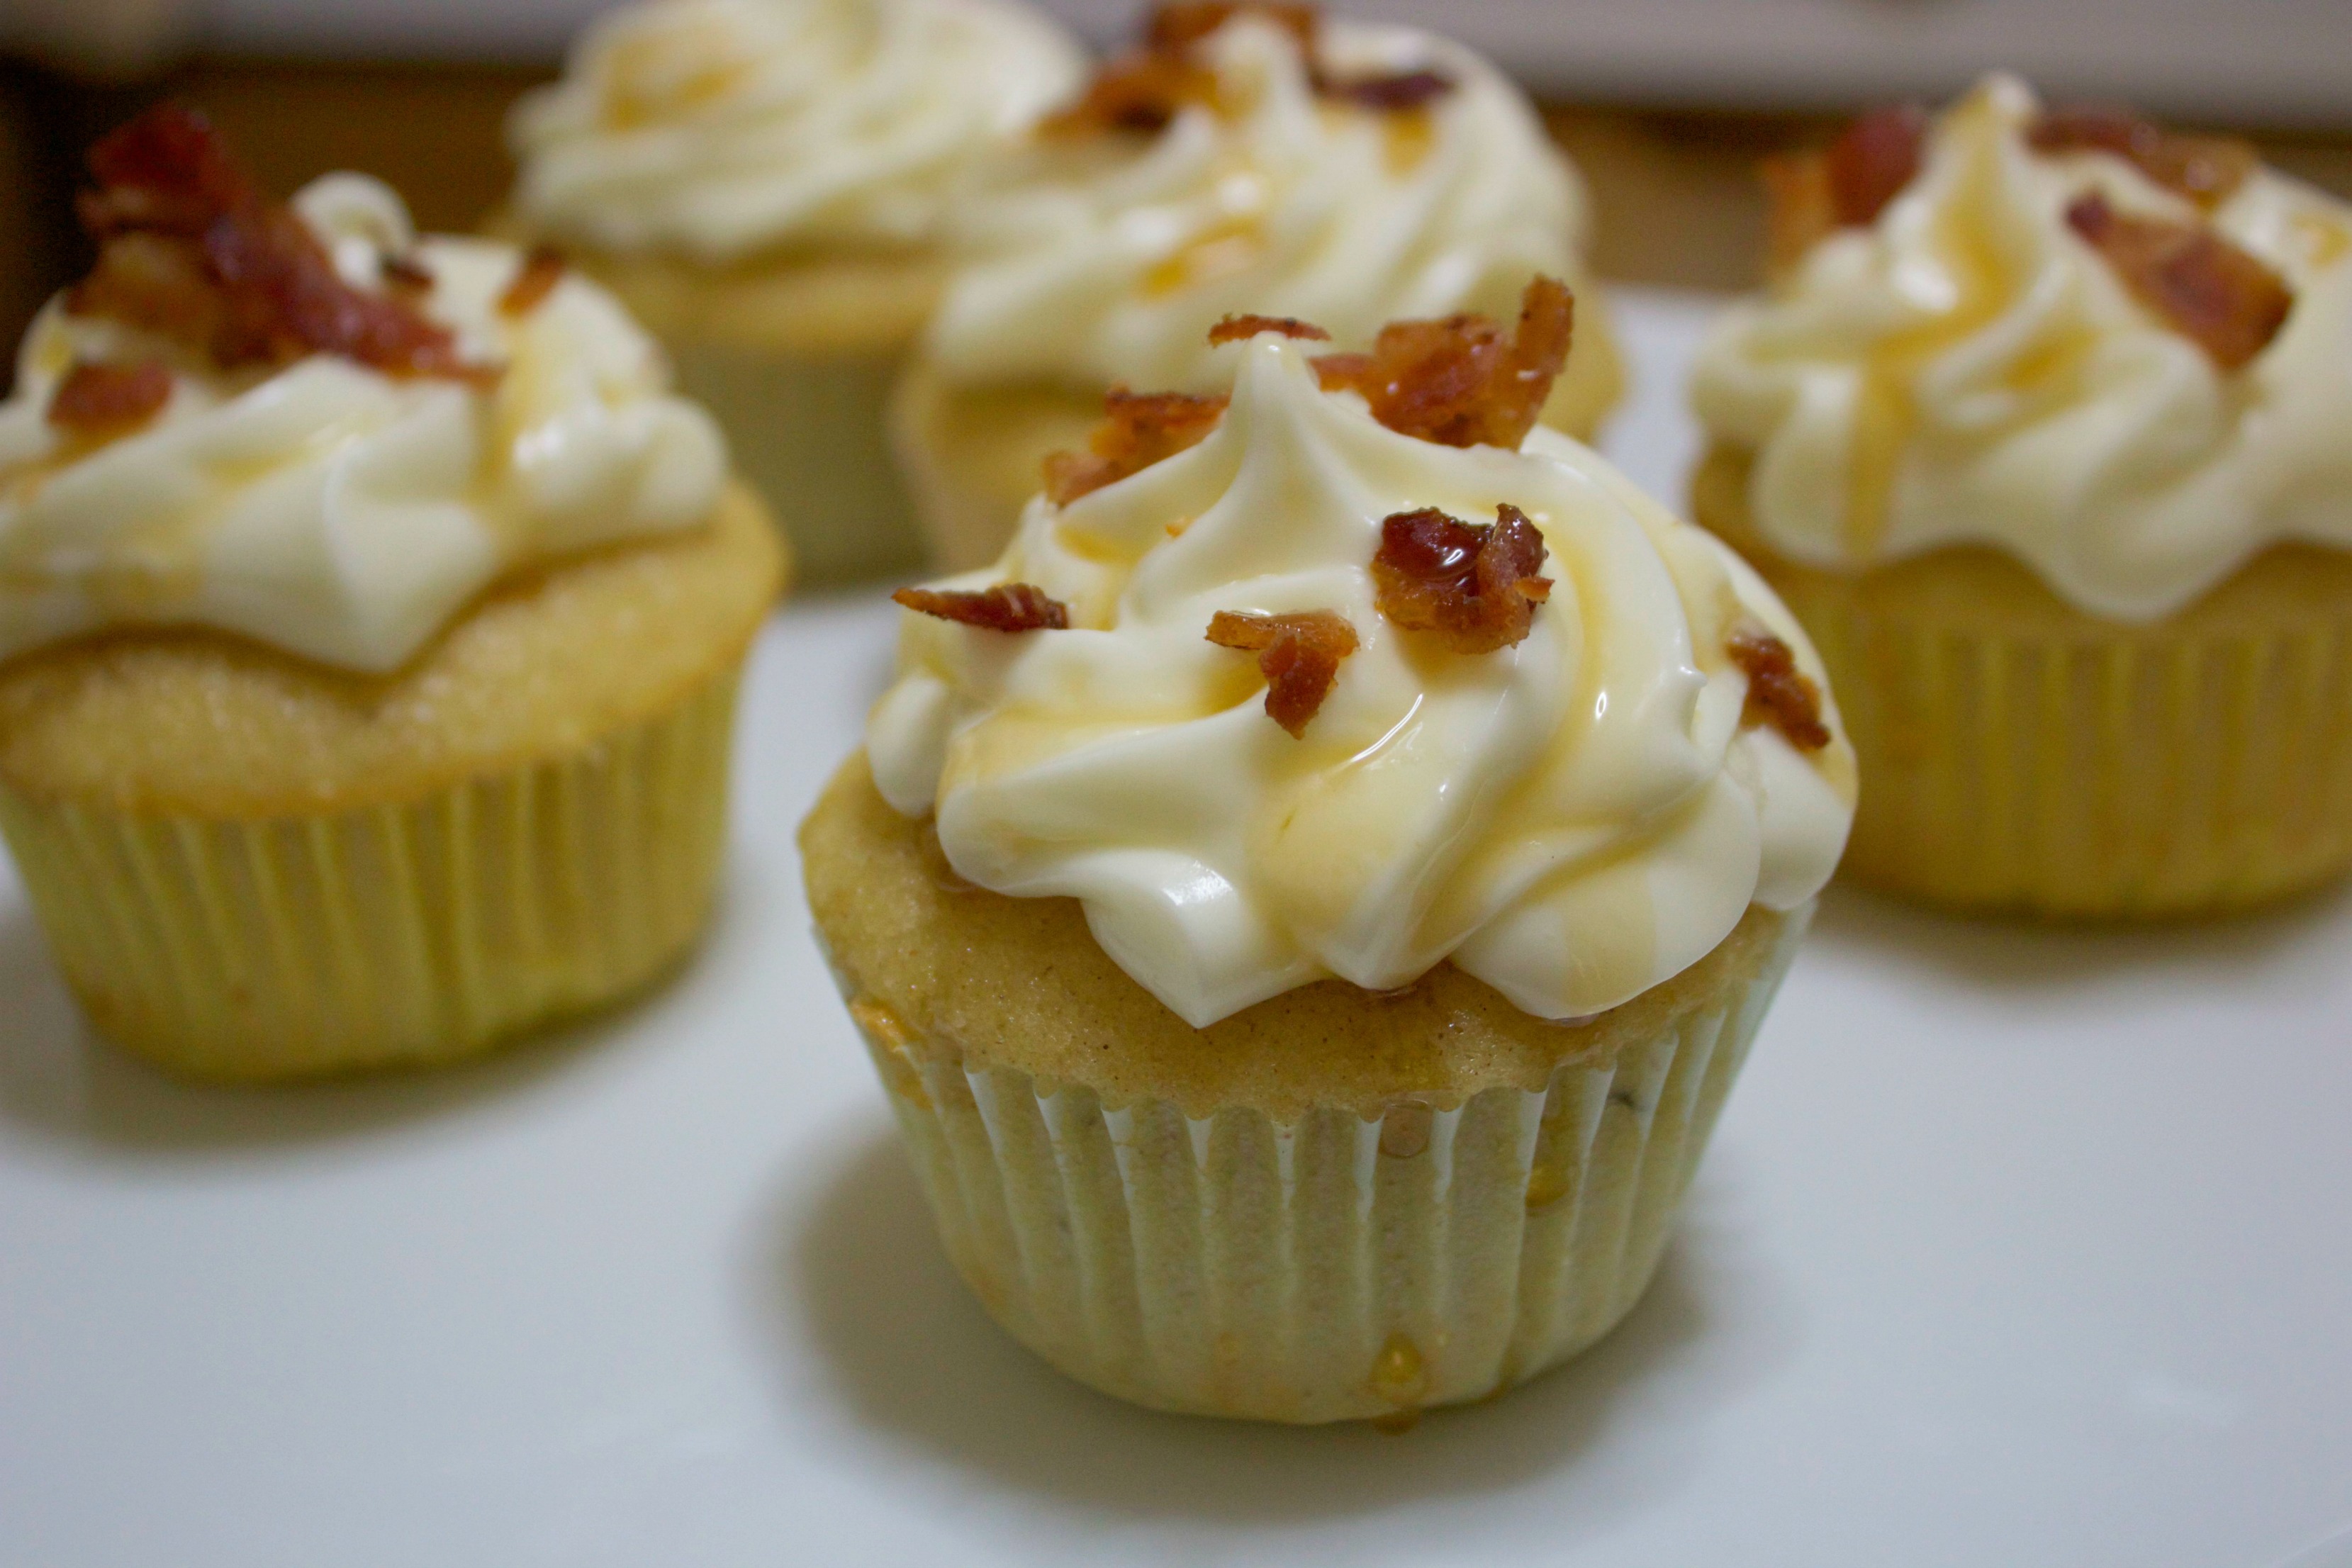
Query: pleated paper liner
{"x": 2017, "y": 753}
{"x": 1330, "y": 1267}
{"x": 394, "y": 935}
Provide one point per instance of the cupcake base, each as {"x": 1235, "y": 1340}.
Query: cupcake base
{"x": 251, "y": 867}
{"x": 2019, "y": 755}
{"x": 1429, "y": 1200}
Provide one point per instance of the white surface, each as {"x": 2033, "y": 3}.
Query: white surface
{"x": 2017, "y": 1247}
{"x": 2274, "y": 61}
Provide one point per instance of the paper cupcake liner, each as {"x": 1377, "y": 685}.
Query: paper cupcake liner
{"x": 2091, "y": 775}
{"x": 1330, "y": 1269}
{"x": 808, "y": 432}
{"x": 402, "y": 934}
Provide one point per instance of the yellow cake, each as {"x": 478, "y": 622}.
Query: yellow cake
{"x": 360, "y": 705}
{"x": 2077, "y": 552}
{"x": 765, "y": 185}
{"x": 1327, "y": 1034}
{"x": 1359, "y": 175}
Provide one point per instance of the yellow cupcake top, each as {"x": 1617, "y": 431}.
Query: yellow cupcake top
{"x": 1334, "y": 699}
{"x": 716, "y": 128}
{"x": 313, "y": 427}
{"x": 2123, "y": 356}
{"x": 1255, "y": 159}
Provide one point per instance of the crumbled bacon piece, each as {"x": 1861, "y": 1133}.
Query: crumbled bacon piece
{"x": 1298, "y": 654}
{"x": 189, "y": 248}
{"x": 1475, "y": 587}
{"x": 1142, "y": 91}
{"x": 109, "y": 399}
{"x": 542, "y": 269}
{"x": 1237, "y": 329}
{"x": 2225, "y": 301}
{"x": 1184, "y": 23}
{"x": 1138, "y": 429}
{"x": 2205, "y": 168}
{"x": 1398, "y": 92}
{"x": 1460, "y": 382}
{"x": 1000, "y": 607}
{"x": 407, "y": 272}
{"x": 1846, "y": 185}
{"x": 1779, "y": 694}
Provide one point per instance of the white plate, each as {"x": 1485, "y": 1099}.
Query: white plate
{"x": 2017, "y": 1247}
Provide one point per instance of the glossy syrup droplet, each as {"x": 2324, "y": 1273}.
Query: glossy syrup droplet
{"x": 1547, "y": 1185}
{"x": 1400, "y": 1377}
{"x": 1404, "y": 1130}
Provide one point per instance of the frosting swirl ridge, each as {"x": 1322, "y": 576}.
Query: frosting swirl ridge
{"x": 719, "y": 128}
{"x": 1104, "y": 259}
{"x": 1572, "y": 817}
{"x": 1969, "y": 368}
{"x": 329, "y": 509}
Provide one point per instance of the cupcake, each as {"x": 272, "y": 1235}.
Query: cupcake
{"x": 1244, "y": 158}
{"x": 763, "y": 182}
{"x": 370, "y": 622}
{"x": 1308, "y": 901}
{"x": 2042, "y": 430}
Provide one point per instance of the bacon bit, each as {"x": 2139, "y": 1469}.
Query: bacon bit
{"x": 2222, "y": 300}
{"x": 1459, "y": 382}
{"x": 1184, "y": 23}
{"x": 1779, "y": 694}
{"x": 1475, "y": 585}
{"x": 1138, "y": 429}
{"x": 1846, "y": 185}
{"x": 407, "y": 272}
{"x": 189, "y": 248}
{"x": 1002, "y": 608}
{"x": 1142, "y": 91}
{"x": 1236, "y": 329}
{"x": 1298, "y": 654}
{"x": 109, "y": 399}
{"x": 2205, "y": 168}
{"x": 1396, "y": 93}
{"x": 542, "y": 269}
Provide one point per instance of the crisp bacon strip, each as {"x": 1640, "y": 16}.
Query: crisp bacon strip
{"x": 1138, "y": 429}
{"x": 1239, "y": 329}
{"x": 189, "y": 248}
{"x": 1298, "y": 654}
{"x": 1142, "y": 91}
{"x": 1475, "y": 587}
{"x": 1846, "y": 185}
{"x": 109, "y": 399}
{"x": 2206, "y": 289}
{"x": 407, "y": 272}
{"x": 542, "y": 268}
{"x": 1779, "y": 694}
{"x": 1001, "y": 607}
{"x": 1460, "y": 382}
{"x": 1399, "y": 92}
{"x": 2205, "y": 168}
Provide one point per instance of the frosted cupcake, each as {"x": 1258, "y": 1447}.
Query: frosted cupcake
{"x": 762, "y": 182}
{"x": 1309, "y": 900}
{"x": 2042, "y": 430}
{"x": 1244, "y": 158}
{"x": 369, "y": 620}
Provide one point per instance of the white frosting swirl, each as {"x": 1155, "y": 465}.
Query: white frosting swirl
{"x": 325, "y": 508}
{"x": 1969, "y": 370}
{"x": 1572, "y": 819}
{"x": 717, "y": 127}
{"x": 1107, "y": 260}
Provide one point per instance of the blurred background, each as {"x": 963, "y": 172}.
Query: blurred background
{"x": 1666, "y": 104}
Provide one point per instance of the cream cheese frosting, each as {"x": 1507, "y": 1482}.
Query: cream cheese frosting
{"x": 1106, "y": 259}
{"x": 719, "y": 128}
{"x": 1969, "y": 370}
{"x": 325, "y": 508}
{"x": 1572, "y": 819}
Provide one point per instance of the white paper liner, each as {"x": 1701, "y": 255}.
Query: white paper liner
{"x": 1330, "y": 1269}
